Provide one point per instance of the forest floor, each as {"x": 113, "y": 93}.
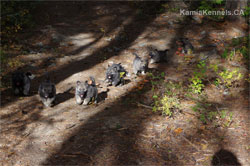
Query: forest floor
{"x": 77, "y": 40}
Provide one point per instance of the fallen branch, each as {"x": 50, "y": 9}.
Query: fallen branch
{"x": 145, "y": 106}
{"x": 185, "y": 111}
{"x": 190, "y": 143}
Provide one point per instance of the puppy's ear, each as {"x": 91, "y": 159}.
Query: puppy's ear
{"x": 31, "y": 76}
{"x": 28, "y": 74}
{"x": 78, "y": 82}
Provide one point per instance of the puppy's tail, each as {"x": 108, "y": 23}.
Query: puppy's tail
{"x": 92, "y": 79}
{"x": 136, "y": 55}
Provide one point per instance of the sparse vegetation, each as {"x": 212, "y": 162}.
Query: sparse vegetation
{"x": 15, "y": 16}
{"x": 227, "y": 77}
{"x": 169, "y": 101}
{"x": 196, "y": 81}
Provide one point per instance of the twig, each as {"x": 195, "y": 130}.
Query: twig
{"x": 149, "y": 107}
{"x": 190, "y": 143}
{"x": 76, "y": 154}
{"x": 185, "y": 111}
{"x": 143, "y": 105}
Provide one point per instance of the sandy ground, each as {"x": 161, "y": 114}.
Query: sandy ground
{"x": 81, "y": 40}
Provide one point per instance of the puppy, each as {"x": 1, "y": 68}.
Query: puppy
{"x": 185, "y": 44}
{"x": 86, "y": 92}
{"x": 47, "y": 92}
{"x": 139, "y": 65}
{"x": 21, "y": 83}
{"x": 115, "y": 75}
{"x": 157, "y": 56}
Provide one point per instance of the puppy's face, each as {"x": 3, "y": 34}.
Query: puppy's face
{"x": 109, "y": 79}
{"x": 47, "y": 90}
{"x": 110, "y": 74}
{"x": 81, "y": 88}
{"x": 18, "y": 80}
{"x": 144, "y": 64}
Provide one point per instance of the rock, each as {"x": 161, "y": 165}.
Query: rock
{"x": 63, "y": 44}
{"x": 208, "y": 54}
{"x": 225, "y": 92}
{"x": 116, "y": 49}
{"x": 203, "y": 33}
{"x": 170, "y": 23}
{"x": 64, "y": 59}
{"x": 108, "y": 39}
{"x": 52, "y": 65}
{"x": 234, "y": 64}
{"x": 57, "y": 37}
{"x": 109, "y": 50}
{"x": 40, "y": 44}
{"x": 218, "y": 35}
{"x": 32, "y": 52}
{"x": 235, "y": 32}
{"x": 142, "y": 44}
{"x": 198, "y": 18}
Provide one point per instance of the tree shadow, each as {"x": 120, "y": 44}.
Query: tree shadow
{"x": 117, "y": 127}
{"x": 132, "y": 30}
{"x": 111, "y": 126}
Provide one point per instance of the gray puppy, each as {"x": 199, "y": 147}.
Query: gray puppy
{"x": 157, "y": 56}
{"x": 21, "y": 83}
{"x": 47, "y": 92}
{"x": 115, "y": 75}
{"x": 185, "y": 44}
{"x": 86, "y": 92}
{"x": 139, "y": 65}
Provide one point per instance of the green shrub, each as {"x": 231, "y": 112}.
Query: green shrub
{"x": 196, "y": 80}
{"x": 166, "y": 104}
{"x": 227, "y": 77}
{"x": 212, "y": 5}
{"x": 15, "y": 16}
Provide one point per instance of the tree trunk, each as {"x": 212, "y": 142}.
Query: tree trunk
{"x": 232, "y": 5}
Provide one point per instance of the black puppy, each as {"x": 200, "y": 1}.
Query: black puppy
{"x": 86, "y": 92}
{"x": 21, "y": 83}
{"x": 115, "y": 75}
{"x": 140, "y": 65}
{"x": 158, "y": 56}
{"x": 185, "y": 44}
{"x": 47, "y": 92}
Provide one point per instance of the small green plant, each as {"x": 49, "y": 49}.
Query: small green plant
{"x": 197, "y": 84}
{"x": 226, "y": 118}
{"x": 246, "y": 11}
{"x": 217, "y": 82}
{"x": 169, "y": 101}
{"x": 166, "y": 104}
{"x": 156, "y": 79}
{"x": 214, "y": 67}
{"x": 204, "y": 115}
{"x": 227, "y": 77}
{"x": 207, "y": 113}
{"x": 241, "y": 45}
{"x": 225, "y": 54}
{"x": 214, "y": 5}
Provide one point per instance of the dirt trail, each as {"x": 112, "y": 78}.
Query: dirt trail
{"x": 79, "y": 41}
